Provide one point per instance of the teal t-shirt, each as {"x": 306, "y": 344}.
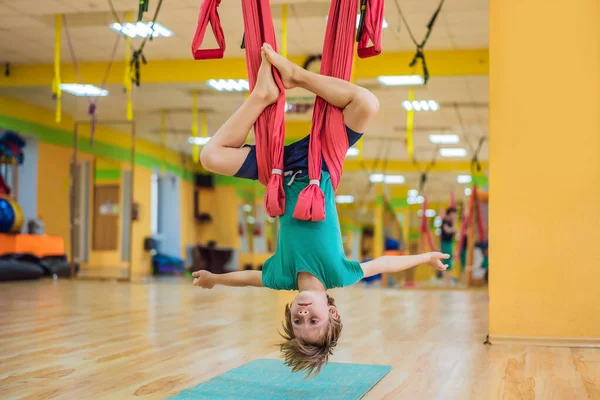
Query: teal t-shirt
{"x": 307, "y": 246}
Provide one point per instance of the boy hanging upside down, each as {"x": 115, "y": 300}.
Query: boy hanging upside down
{"x": 310, "y": 256}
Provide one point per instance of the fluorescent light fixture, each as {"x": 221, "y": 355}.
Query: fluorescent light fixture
{"x": 141, "y": 29}
{"x": 430, "y": 213}
{"x": 344, "y": 199}
{"x": 413, "y": 193}
{"x": 390, "y": 179}
{"x": 352, "y": 152}
{"x": 199, "y": 141}
{"x": 444, "y": 139}
{"x": 463, "y": 179}
{"x": 78, "y": 89}
{"x": 420, "y": 105}
{"x": 229, "y": 85}
{"x": 400, "y": 80}
{"x": 247, "y": 207}
{"x": 453, "y": 152}
{"x": 467, "y": 191}
{"x": 384, "y": 25}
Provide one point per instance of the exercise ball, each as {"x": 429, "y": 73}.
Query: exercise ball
{"x": 19, "y": 217}
{"x": 7, "y": 215}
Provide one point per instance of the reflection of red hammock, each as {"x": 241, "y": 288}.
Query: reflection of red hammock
{"x": 474, "y": 207}
{"x": 425, "y": 237}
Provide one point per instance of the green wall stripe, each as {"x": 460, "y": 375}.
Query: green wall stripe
{"x": 107, "y": 174}
{"x": 64, "y": 138}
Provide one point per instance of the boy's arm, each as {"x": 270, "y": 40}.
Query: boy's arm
{"x": 208, "y": 280}
{"x": 388, "y": 264}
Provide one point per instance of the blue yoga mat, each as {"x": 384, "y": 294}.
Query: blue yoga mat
{"x": 270, "y": 379}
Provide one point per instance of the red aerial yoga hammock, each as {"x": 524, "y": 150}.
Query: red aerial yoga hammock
{"x": 328, "y": 137}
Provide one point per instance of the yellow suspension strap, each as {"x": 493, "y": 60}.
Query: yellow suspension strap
{"x": 410, "y": 120}
{"x": 163, "y": 139}
{"x": 196, "y": 149}
{"x": 56, "y": 91}
{"x": 127, "y": 82}
{"x": 284, "y": 30}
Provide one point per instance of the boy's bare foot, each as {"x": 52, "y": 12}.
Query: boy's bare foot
{"x": 287, "y": 69}
{"x": 266, "y": 89}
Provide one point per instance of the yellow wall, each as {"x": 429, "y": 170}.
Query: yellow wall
{"x": 544, "y": 141}
{"x": 141, "y": 261}
{"x": 53, "y": 190}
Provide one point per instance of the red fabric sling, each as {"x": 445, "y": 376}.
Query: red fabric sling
{"x": 328, "y": 139}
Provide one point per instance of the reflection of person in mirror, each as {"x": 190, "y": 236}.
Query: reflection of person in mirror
{"x": 447, "y": 239}
{"x": 310, "y": 255}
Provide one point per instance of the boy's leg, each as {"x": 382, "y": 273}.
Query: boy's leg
{"x": 359, "y": 105}
{"x": 223, "y": 154}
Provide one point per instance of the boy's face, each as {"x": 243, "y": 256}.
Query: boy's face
{"x": 310, "y": 315}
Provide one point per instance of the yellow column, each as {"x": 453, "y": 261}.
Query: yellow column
{"x": 378, "y": 214}
{"x": 544, "y": 141}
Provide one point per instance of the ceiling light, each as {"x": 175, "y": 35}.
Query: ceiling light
{"x": 394, "y": 179}
{"x": 375, "y": 178}
{"x": 453, "y": 152}
{"x": 141, "y": 29}
{"x": 467, "y": 191}
{"x": 390, "y": 179}
{"x": 411, "y": 200}
{"x": 198, "y": 141}
{"x": 344, "y": 199}
{"x": 420, "y": 105}
{"x": 78, "y": 89}
{"x": 430, "y": 213}
{"x": 437, "y": 222}
{"x": 444, "y": 139}
{"x": 413, "y": 193}
{"x": 229, "y": 85}
{"x": 247, "y": 207}
{"x": 251, "y": 220}
{"x": 420, "y": 200}
{"x": 463, "y": 179}
{"x": 352, "y": 152}
{"x": 400, "y": 80}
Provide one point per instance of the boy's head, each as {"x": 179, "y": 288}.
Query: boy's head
{"x": 451, "y": 213}
{"x": 311, "y": 329}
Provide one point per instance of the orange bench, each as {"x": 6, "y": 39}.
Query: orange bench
{"x": 38, "y": 245}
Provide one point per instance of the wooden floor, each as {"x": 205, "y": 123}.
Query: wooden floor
{"x": 103, "y": 340}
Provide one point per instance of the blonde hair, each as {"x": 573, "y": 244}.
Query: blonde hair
{"x": 304, "y": 356}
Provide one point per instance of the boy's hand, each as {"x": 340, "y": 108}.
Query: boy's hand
{"x": 203, "y": 279}
{"x": 434, "y": 259}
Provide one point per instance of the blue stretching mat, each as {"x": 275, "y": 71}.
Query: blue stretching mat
{"x": 270, "y": 379}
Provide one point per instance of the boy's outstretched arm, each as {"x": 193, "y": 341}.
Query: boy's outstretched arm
{"x": 208, "y": 280}
{"x": 387, "y": 264}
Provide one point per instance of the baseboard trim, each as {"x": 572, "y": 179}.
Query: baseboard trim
{"x": 546, "y": 341}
